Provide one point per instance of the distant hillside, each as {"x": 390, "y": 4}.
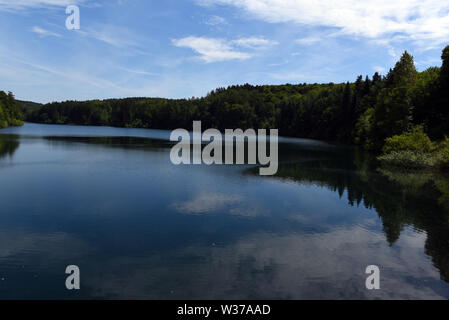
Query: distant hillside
{"x": 28, "y": 105}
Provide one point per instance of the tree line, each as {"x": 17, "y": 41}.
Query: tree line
{"x": 364, "y": 112}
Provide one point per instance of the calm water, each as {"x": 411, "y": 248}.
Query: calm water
{"x": 110, "y": 201}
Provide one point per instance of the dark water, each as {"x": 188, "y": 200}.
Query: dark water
{"x": 110, "y": 201}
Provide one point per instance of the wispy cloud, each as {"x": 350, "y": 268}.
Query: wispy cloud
{"x": 215, "y": 20}
{"x": 128, "y": 41}
{"x": 112, "y": 35}
{"x": 31, "y": 4}
{"x": 211, "y": 49}
{"x": 205, "y": 203}
{"x": 412, "y": 19}
{"x": 392, "y": 52}
{"x": 215, "y": 49}
{"x": 68, "y": 74}
{"x": 379, "y": 69}
{"x": 289, "y": 76}
{"x": 139, "y": 72}
{"x": 308, "y": 40}
{"x": 254, "y": 42}
{"x": 44, "y": 33}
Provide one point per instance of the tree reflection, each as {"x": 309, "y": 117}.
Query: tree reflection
{"x": 8, "y": 145}
{"x": 401, "y": 199}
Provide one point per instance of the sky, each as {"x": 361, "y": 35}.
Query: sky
{"x": 186, "y": 48}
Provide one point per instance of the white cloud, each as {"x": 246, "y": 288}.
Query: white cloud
{"x": 116, "y": 36}
{"x": 211, "y": 49}
{"x": 215, "y": 20}
{"x": 43, "y": 32}
{"x": 414, "y": 20}
{"x": 215, "y": 49}
{"x": 327, "y": 265}
{"x": 139, "y": 72}
{"x": 254, "y": 42}
{"x": 289, "y": 76}
{"x": 68, "y": 75}
{"x": 379, "y": 69}
{"x": 213, "y": 202}
{"x": 392, "y": 52}
{"x": 30, "y": 4}
{"x": 205, "y": 203}
{"x": 308, "y": 40}
{"x": 112, "y": 35}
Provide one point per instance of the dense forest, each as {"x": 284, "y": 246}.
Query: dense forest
{"x": 10, "y": 111}
{"x": 364, "y": 113}
{"x": 29, "y": 105}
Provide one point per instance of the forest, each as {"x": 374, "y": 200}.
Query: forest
{"x": 365, "y": 112}
{"x": 10, "y": 111}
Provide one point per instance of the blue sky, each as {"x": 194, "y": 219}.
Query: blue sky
{"x": 185, "y": 48}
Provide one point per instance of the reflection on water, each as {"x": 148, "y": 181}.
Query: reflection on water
{"x": 401, "y": 199}
{"x": 110, "y": 201}
{"x": 8, "y": 145}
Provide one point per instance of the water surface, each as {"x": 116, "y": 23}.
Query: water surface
{"x": 110, "y": 201}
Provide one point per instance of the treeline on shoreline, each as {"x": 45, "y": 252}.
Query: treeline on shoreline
{"x": 363, "y": 113}
{"x": 10, "y": 111}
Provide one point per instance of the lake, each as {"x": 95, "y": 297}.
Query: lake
{"x": 110, "y": 201}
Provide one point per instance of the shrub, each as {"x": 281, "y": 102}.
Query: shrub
{"x": 443, "y": 153}
{"x": 409, "y": 159}
{"x": 416, "y": 140}
{"x": 15, "y": 123}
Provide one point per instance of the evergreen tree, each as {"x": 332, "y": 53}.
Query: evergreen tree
{"x": 394, "y": 109}
{"x": 376, "y": 78}
{"x": 346, "y": 114}
{"x": 443, "y": 100}
{"x": 444, "y": 74}
{"x": 367, "y": 86}
{"x": 404, "y": 73}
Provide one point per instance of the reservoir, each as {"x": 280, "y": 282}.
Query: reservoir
{"x": 110, "y": 201}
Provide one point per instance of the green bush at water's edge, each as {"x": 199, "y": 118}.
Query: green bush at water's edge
{"x": 414, "y": 149}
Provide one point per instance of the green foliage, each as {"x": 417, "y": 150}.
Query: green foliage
{"x": 414, "y": 149}
{"x": 28, "y": 105}
{"x": 443, "y": 153}
{"x": 416, "y": 140}
{"x": 432, "y": 99}
{"x": 410, "y": 179}
{"x": 10, "y": 111}
{"x": 394, "y": 107}
{"x": 314, "y": 111}
{"x": 409, "y": 159}
{"x": 443, "y": 186}
{"x": 8, "y": 145}
{"x": 445, "y": 66}
{"x": 364, "y": 129}
{"x": 404, "y": 73}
